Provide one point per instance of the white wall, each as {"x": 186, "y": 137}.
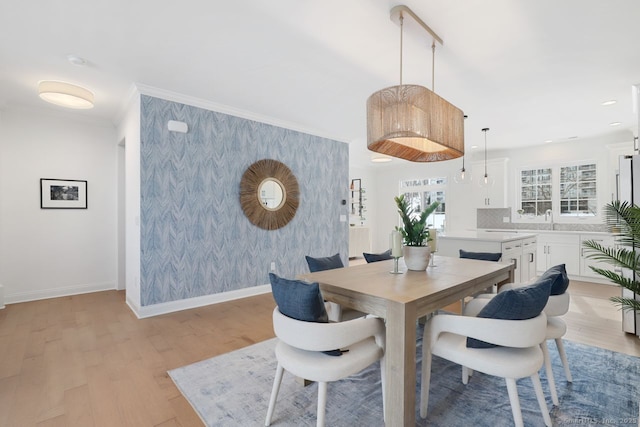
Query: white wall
{"x": 53, "y": 252}
{"x": 461, "y": 213}
{"x": 129, "y": 131}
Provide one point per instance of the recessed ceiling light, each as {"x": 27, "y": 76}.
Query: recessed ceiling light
{"x": 615, "y": 124}
{"x": 548, "y": 141}
{"x": 77, "y": 60}
{"x": 473, "y": 147}
{"x": 609, "y": 102}
{"x": 65, "y": 94}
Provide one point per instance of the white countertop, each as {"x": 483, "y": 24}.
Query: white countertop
{"x": 523, "y": 231}
{"x": 488, "y": 236}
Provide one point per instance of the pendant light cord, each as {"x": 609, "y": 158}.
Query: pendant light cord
{"x": 401, "y": 28}
{"x": 485, "y": 151}
{"x": 433, "y": 66}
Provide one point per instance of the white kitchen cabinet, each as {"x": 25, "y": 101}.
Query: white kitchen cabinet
{"x": 529, "y": 255}
{"x": 559, "y": 248}
{"x": 359, "y": 241}
{"x": 510, "y": 245}
{"x": 493, "y": 196}
{"x": 603, "y": 239}
{"x": 512, "y": 252}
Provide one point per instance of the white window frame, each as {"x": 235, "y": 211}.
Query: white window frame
{"x": 555, "y": 195}
{"x": 436, "y": 219}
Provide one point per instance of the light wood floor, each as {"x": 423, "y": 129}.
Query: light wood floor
{"x": 87, "y": 361}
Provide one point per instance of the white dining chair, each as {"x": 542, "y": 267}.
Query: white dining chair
{"x": 518, "y": 355}
{"x": 557, "y": 305}
{"x": 300, "y": 348}
{"x": 336, "y": 312}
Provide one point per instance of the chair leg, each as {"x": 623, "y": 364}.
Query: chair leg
{"x": 274, "y": 394}
{"x": 465, "y": 375}
{"x": 563, "y": 357}
{"x": 549, "y": 371}
{"x": 322, "y": 403}
{"x": 515, "y": 402}
{"x": 535, "y": 379}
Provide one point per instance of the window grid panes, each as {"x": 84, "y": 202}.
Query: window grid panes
{"x": 420, "y": 193}
{"x": 578, "y": 195}
{"x": 536, "y": 190}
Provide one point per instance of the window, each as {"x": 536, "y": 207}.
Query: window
{"x": 423, "y": 192}
{"x": 535, "y": 191}
{"x": 578, "y": 190}
{"x": 572, "y": 189}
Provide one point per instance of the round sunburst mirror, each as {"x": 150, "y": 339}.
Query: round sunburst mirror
{"x": 269, "y": 194}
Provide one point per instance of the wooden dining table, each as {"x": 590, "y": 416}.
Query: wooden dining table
{"x": 401, "y": 299}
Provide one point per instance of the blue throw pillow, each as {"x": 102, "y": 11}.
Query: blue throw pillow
{"x": 377, "y": 257}
{"x": 560, "y": 279}
{"x": 326, "y": 263}
{"x": 298, "y": 300}
{"x": 484, "y": 256}
{"x": 515, "y": 304}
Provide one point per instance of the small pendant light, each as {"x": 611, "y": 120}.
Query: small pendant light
{"x": 486, "y": 180}
{"x": 462, "y": 177}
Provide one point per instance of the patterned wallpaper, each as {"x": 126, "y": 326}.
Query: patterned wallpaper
{"x": 195, "y": 239}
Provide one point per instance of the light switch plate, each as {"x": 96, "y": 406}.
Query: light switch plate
{"x": 505, "y": 219}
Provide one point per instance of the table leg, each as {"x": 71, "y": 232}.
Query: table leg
{"x": 400, "y": 360}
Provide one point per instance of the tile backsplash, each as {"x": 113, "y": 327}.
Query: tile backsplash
{"x": 492, "y": 218}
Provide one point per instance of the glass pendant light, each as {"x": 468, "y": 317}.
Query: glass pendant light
{"x": 486, "y": 180}
{"x": 462, "y": 176}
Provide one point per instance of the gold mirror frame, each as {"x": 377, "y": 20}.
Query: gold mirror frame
{"x": 253, "y": 177}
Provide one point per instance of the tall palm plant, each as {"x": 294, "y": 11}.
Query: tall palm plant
{"x": 625, "y": 219}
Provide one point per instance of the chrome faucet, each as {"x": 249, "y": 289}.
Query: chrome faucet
{"x": 548, "y": 216}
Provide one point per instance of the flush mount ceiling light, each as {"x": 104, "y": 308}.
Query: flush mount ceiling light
{"x": 65, "y": 94}
{"x": 411, "y": 122}
{"x": 380, "y": 158}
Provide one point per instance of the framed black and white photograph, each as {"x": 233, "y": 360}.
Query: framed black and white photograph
{"x": 63, "y": 194}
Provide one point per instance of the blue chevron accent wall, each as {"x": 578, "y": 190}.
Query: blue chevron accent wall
{"x": 195, "y": 239}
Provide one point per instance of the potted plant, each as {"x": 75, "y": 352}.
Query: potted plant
{"x": 415, "y": 234}
{"x": 624, "y": 219}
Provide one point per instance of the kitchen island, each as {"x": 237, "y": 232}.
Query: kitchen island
{"x": 517, "y": 248}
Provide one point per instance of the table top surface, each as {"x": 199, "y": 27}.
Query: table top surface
{"x": 375, "y": 279}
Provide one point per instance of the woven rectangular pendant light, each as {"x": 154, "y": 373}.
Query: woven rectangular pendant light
{"x": 413, "y": 123}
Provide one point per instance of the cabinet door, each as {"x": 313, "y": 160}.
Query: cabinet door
{"x": 529, "y": 255}
{"x": 493, "y": 196}
{"x": 585, "y": 262}
{"x": 558, "y": 248}
{"x": 512, "y": 252}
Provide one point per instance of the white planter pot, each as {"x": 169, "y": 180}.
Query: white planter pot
{"x": 416, "y": 258}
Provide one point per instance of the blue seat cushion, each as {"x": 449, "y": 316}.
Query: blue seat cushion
{"x": 377, "y": 257}
{"x": 560, "y": 279}
{"x": 484, "y": 256}
{"x": 326, "y": 263}
{"x": 521, "y": 303}
{"x": 298, "y": 300}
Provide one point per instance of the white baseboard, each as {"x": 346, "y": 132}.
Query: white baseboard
{"x": 185, "y": 304}
{"x": 58, "y": 292}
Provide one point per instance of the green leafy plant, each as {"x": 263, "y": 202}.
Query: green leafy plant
{"x": 414, "y": 228}
{"x": 624, "y": 219}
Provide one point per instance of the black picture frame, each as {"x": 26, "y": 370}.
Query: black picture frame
{"x": 63, "y": 194}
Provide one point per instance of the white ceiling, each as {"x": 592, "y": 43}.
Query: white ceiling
{"x": 529, "y": 70}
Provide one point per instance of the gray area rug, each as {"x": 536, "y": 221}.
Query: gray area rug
{"x": 233, "y": 390}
